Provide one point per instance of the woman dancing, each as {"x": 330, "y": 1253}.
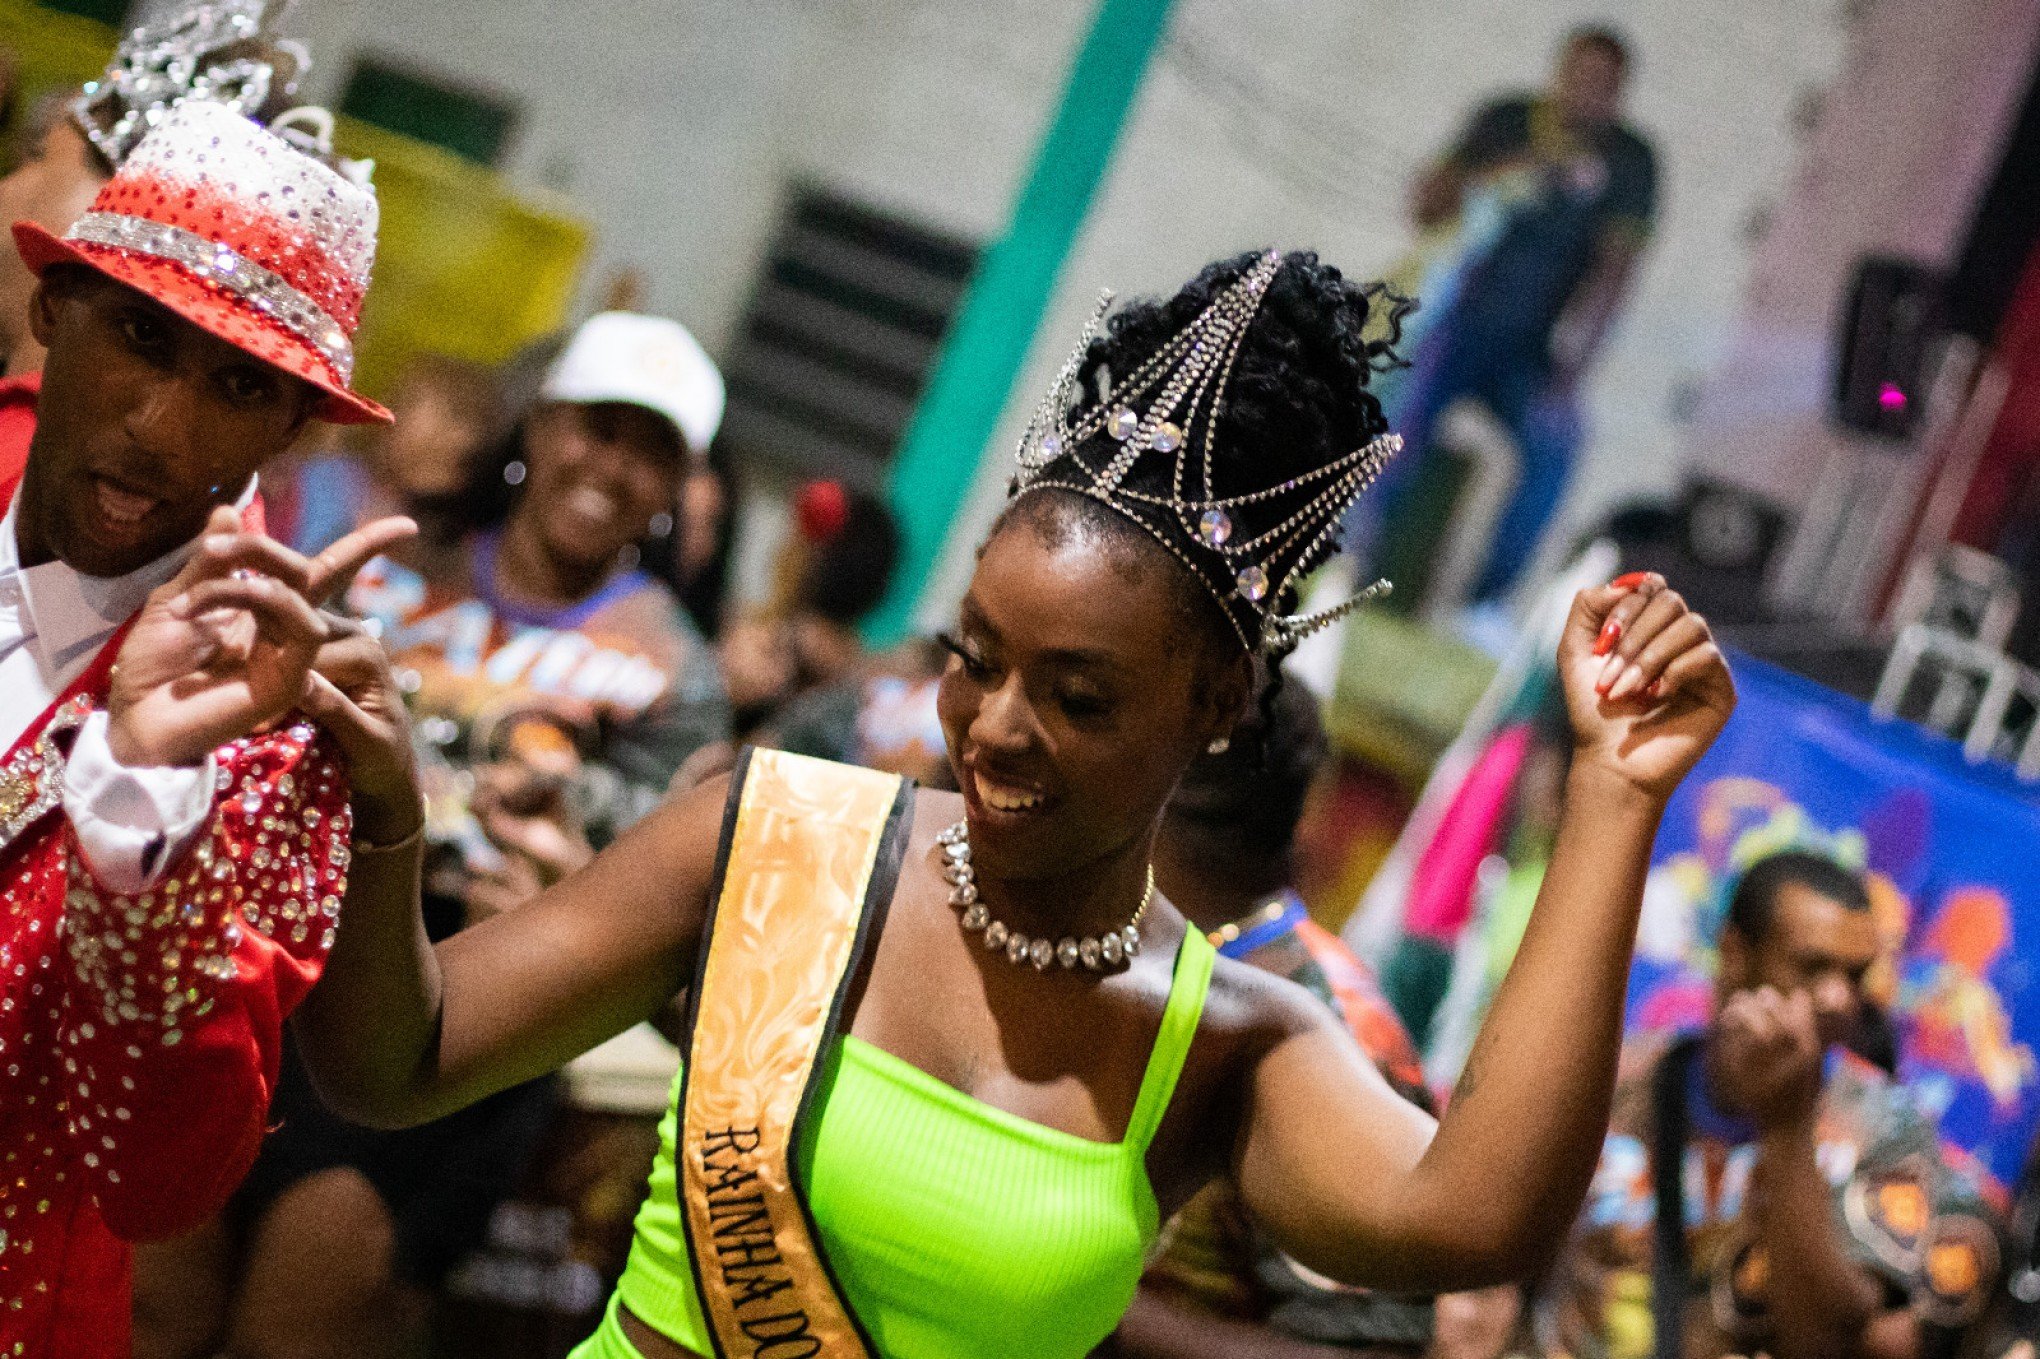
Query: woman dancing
{"x": 952, "y": 1059}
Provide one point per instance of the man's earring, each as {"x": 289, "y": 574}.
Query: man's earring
{"x": 1220, "y": 746}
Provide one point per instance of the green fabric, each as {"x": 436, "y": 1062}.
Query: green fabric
{"x": 1415, "y": 981}
{"x": 957, "y": 1230}
{"x": 938, "y": 459}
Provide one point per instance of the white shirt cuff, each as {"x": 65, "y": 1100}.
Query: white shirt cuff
{"x": 132, "y": 824}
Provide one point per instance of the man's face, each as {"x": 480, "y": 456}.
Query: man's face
{"x": 52, "y": 188}
{"x": 145, "y": 424}
{"x": 1816, "y": 945}
{"x": 1588, "y": 85}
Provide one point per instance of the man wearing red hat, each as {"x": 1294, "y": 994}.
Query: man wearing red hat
{"x": 168, "y": 886}
{"x": 221, "y": 51}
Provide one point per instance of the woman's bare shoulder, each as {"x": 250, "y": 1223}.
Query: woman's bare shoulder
{"x": 1257, "y": 1009}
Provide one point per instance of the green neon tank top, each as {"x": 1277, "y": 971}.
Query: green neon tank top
{"x": 956, "y": 1230}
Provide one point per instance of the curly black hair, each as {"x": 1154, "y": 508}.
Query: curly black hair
{"x": 1297, "y": 401}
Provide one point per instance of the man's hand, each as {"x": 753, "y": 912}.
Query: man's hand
{"x": 224, "y": 649}
{"x": 1765, "y": 1058}
{"x": 352, "y": 693}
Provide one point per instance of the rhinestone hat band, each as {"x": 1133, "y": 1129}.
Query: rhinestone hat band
{"x": 262, "y": 289}
{"x": 1170, "y": 407}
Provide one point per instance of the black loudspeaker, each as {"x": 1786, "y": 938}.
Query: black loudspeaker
{"x": 1730, "y": 530}
{"x": 1714, "y": 544}
{"x": 1895, "y": 312}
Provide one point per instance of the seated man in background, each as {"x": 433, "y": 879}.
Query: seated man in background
{"x": 1819, "y": 1215}
{"x": 1217, "y": 1286}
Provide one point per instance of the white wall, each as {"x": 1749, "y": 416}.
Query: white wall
{"x": 1905, "y": 144}
{"x": 676, "y": 125}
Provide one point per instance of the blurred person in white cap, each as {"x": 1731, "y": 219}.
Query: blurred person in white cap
{"x": 554, "y": 688}
{"x": 547, "y": 616}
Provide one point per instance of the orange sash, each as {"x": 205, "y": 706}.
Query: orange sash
{"x": 811, "y": 851}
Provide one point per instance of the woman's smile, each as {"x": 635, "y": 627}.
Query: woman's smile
{"x": 1002, "y": 796}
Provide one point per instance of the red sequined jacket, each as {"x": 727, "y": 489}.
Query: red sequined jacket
{"x": 139, "y": 1034}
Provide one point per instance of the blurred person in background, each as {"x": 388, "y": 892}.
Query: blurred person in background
{"x": 1219, "y": 1287}
{"x": 556, "y": 689}
{"x": 447, "y": 412}
{"x": 695, "y": 557}
{"x": 1820, "y": 1217}
{"x": 799, "y": 676}
{"x": 545, "y": 648}
{"x": 883, "y": 716}
{"x": 1576, "y": 192}
{"x": 832, "y": 570}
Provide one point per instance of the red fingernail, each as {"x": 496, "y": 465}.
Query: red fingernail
{"x": 1630, "y": 581}
{"x": 1611, "y": 633}
{"x": 1655, "y": 689}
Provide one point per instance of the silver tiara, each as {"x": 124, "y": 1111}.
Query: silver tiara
{"x": 221, "y": 51}
{"x": 1170, "y": 407}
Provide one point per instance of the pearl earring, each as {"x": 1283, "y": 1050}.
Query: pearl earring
{"x": 1220, "y": 746}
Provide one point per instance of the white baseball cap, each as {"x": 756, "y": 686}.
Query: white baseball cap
{"x": 644, "y": 361}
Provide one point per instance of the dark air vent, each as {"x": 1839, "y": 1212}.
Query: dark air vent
{"x": 843, "y": 327}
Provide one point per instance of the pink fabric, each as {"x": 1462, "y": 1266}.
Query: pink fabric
{"x": 1441, "y": 889}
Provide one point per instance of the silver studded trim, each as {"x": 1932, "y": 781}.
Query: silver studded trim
{"x": 32, "y": 779}
{"x": 269, "y": 293}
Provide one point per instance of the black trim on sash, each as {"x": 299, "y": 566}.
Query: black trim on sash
{"x": 878, "y": 895}
{"x": 1670, "y": 1266}
{"x": 739, "y": 772}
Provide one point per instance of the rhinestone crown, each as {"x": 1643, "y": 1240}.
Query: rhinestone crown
{"x": 1169, "y": 407}
{"x": 220, "y": 52}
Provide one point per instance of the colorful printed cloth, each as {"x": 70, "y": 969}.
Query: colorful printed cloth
{"x": 1911, "y": 1219}
{"x": 1210, "y": 1253}
{"x": 623, "y": 675}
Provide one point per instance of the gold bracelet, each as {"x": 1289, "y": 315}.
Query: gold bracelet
{"x": 360, "y": 846}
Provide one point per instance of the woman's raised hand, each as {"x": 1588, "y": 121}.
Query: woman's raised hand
{"x": 1645, "y": 685}
{"x": 226, "y": 647}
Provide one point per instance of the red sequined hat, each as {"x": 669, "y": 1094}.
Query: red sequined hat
{"x": 243, "y": 235}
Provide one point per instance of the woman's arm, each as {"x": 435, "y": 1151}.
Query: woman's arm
{"x": 1336, "y": 1174}
{"x": 399, "y": 1031}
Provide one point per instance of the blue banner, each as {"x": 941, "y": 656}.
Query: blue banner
{"x": 1952, "y": 855}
